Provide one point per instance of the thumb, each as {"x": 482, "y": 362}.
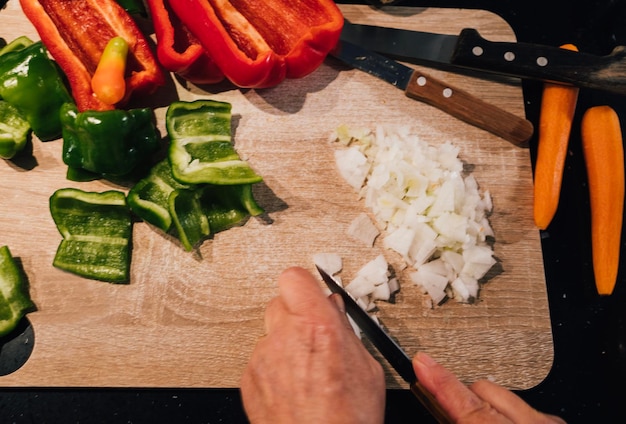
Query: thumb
{"x": 302, "y": 294}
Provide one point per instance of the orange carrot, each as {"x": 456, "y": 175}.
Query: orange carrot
{"x": 604, "y": 158}
{"x": 108, "y": 83}
{"x": 558, "y": 105}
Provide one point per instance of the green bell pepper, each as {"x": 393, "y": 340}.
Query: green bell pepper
{"x": 134, "y": 7}
{"x": 225, "y": 206}
{"x": 14, "y": 130}
{"x": 18, "y": 44}
{"x": 31, "y": 82}
{"x": 193, "y": 212}
{"x": 15, "y": 300}
{"x": 208, "y": 209}
{"x": 111, "y": 142}
{"x": 191, "y": 224}
{"x": 149, "y": 198}
{"x": 201, "y": 150}
{"x": 96, "y": 230}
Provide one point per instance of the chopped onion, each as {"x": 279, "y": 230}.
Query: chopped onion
{"x": 329, "y": 262}
{"x": 363, "y": 229}
{"x": 356, "y": 173}
{"x": 372, "y": 282}
{"x": 432, "y": 212}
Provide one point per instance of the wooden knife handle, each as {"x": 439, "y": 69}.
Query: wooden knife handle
{"x": 469, "y": 108}
{"x": 430, "y": 403}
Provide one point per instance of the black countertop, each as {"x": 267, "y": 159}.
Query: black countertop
{"x": 587, "y": 381}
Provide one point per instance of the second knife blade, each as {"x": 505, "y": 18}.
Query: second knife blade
{"x": 452, "y": 100}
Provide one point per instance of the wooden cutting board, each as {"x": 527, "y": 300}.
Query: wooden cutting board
{"x": 192, "y": 319}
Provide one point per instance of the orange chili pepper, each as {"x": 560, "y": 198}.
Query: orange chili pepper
{"x": 108, "y": 83}
{"x": 76, "y": 33}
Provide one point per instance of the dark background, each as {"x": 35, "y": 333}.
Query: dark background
{"x": 586, "y": 383}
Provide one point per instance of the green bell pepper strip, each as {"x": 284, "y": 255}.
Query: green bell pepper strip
{"x": 15, "y": 300}
{"x": 149, "y": 198}
{"x": 110, "y": 142}
{"x": 191, "y": 224}
{"x": 226, "y": 206}
{"x": 14, "y": 130}
{"x": 134, "y": 7}
{"x": 32, "y": 83}
{"x": 193, "y": 211}
{"x": 209, "y": 209}
{"x": 96, "y": 230}
{"x": 200, "y": 149}
{"x": 18, "y": 44}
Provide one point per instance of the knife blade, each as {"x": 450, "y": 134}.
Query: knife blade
{"x": 452, "y": 100}
{"x": 469, "y": 50}
{"x": 387, "y": 346}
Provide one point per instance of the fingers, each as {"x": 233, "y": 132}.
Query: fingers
{"x": 274, "y": 313}
{"x": 301, "y": 294}
{"x": 455, "y": 398}
{"x": 510, "y": 405}
{"x": 341, "y": 307}
{"x": 338, "y": 302}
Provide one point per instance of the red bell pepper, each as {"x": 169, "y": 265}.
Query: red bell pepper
{"x": 178, "y": 50}
{"x": 258, "y": 43}
{"x": 76, "y": 33}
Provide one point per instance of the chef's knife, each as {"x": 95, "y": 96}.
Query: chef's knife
{"x": 470, "y": 51}
{"x": 418, "y": 85}
{"x": 393, "y": 353}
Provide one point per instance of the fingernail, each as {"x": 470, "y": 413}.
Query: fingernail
{"x": 425, "y": 359}
{"x": 338, "y": 301}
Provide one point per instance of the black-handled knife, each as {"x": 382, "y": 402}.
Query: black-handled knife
{"x": 471, "y": 51}
{"x": 392, "y": 352}
{"x": 452, "y": 100}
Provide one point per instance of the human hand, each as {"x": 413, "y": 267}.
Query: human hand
{"x": 311, "y": 367}
{"x": 481, "y": 402}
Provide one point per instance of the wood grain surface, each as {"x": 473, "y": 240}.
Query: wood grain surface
{"x": 192, "y": 319}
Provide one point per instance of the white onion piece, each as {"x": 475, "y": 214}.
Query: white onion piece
{"x": 329, "y": 262}
{"x": 372, "y": 282}
{"x": 353, "y": 166}
{"x": 360, "y": 286}
{"x": 432, "y": 283}
{"x": 430, "y": 209}
{"x": 363, "y": 229}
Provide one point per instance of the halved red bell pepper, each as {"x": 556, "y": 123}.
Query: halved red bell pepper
{"x": 76, "y": 33}
{"x": 258, "y": 43}
{"x": 178, "y": 50}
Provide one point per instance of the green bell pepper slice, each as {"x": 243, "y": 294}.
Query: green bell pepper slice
{"x": 149, "y": 198}
{"x": 32, "y": 83}
{"x": 14, "y": 130}
{"x": 15, "y": 300}
{"x": 112, "y": 142}
{"x": 18, "y": 44}
{"x": 191, "y": 224}
{"x": 226, "y": 206}
{"x": 201, "y": 149}
{"x": 134, "y": 7}
{"x": 96, "y": 229}
{"x": 209, "y": 209}
{"x": 191, "y": 211}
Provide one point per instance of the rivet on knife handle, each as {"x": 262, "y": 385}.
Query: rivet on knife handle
{"x": 469, "y": 108}
{"x": 547, "y": 63}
